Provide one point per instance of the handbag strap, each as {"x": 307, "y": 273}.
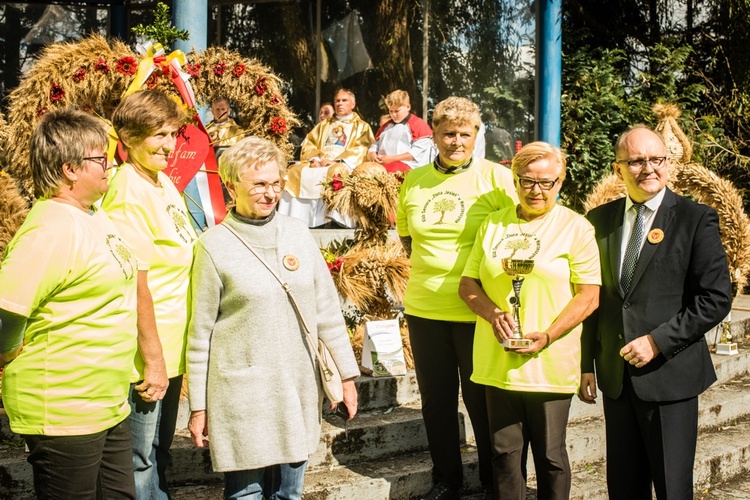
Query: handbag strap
{"x": 288, "y": 291}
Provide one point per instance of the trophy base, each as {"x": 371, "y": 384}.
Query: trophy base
{"x": 727, "y": 349}
{"x": 517, "y": 343}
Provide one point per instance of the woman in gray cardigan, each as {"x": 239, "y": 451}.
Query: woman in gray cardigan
{"x": 252, "y": 377}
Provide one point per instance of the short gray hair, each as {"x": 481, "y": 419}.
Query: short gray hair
{"x": 62, "y": 136}
{"x": 250, "y": 152}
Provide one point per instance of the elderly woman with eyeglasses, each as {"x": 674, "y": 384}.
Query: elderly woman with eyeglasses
{"x": 68, "y": 321}
{"x": 252, "y": 375}
{"x": 529, "y": 389}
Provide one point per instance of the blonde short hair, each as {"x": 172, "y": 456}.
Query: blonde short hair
{"x": 538, "y": 150}
{"x": 397, "y": 98}
{"x": 62, "y": 136}
{"x": 141, "y": 114}
{"x": 250, "y": 152}
{"x": 457, "y": 111}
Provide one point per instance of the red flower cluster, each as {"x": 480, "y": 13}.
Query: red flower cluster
{"x": 80, "y": 74}
{"x": 335, "y": 266}
{"x": 261, "y": 86}
{"x": 278, "y": 125}
{"x": 238, "y": 70}
{"x": 275, "y": 100}
{"x": 101, "y": 66}
{"x": 152, "y": 80}
{"x": 56, "y": 92}
{"x": 336, "y": 182}
{"x": 127, "y": 65}
{"x": 219, "y": 68}
{"x": 193, "y": 70}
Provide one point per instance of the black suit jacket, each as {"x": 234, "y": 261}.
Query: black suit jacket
{"x": 680, "y": 290}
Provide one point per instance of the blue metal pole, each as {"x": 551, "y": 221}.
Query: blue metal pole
{"x": 548, "y": 70}
{"x": 192, "y": 15}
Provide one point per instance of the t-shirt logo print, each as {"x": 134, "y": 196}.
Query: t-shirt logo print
{"x": 445, "y": 207}
{"x": 517, "y": 246}
{"x": 181, "y": 223}
{"x": 122, "y": 255}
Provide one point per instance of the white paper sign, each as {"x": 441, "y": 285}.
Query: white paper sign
{"x": 383, "y": 350}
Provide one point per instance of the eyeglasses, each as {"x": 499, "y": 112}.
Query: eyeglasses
{"x": 102, "y": 161}
{"x": 638, "y": 165}
{"x": 262, "y": 187}
{"x": 544, "y": 184}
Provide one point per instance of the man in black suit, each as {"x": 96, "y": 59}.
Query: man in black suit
{"x": 665, "y": 283}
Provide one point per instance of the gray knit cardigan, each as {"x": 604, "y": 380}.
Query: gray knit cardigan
{"x": 248, "y": 362}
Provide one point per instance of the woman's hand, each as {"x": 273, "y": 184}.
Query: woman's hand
{"x": 198, "y": 426}
{"x": 502, "y": 325}
{"x": 350, "y": 397}
{"x": 539, "y": 339}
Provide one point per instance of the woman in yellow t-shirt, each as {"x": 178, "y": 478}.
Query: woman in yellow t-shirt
{"x": 68, "y": 321}
{"x": 440, "y": 208}
{"x": 152, "y": 217}
{"x": 529, "y": 389}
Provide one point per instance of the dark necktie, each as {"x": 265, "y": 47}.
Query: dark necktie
{"x": 633, "y": 249}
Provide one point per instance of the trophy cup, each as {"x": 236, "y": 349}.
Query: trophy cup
{"x": 726, "y": 345}
{"x": 517, "y": 269}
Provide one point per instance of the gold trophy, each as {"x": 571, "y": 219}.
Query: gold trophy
{"x": 517, "y": 269}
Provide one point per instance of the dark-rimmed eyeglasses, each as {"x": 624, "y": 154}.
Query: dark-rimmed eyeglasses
{"x": 657, "y": 163}
{"x": 544, "y": 184}
{"x": 262, "y": 187}
{"x": 102, "y": 161}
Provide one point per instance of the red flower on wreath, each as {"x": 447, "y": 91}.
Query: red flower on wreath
{"x": 101, "y": 66}
{"x": 79, "y": 74}
{"x": 336, "y": 182}
{"x": 219, "y": 68}
{"x": 335, "y": 266}
{"x": 41, "y": 112}
{"x": 127, "y": 65}
{"x": 275, "y": 100}
{"x": 56, "y": 92}
{"x": 193, "y": 70}
{"x": 238, "y": 70}
{"x": 278, "y": 125}
{"x": 152, "y": 81}
{"x": 261, "y": 86}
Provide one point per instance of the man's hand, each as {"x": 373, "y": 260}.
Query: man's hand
{"x": 373, "y": 156}
{"x": 198, "y": 426}
{"x": 587, "y": 392}
{"x": 641, "y": 351}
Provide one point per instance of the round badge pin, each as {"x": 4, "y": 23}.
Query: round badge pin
{"x": 291, "y": 262}
{"x": 655, "y": 236}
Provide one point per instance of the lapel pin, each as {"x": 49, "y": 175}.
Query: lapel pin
{"x": 291, "y": 262}
{"x": 655, "y": 236}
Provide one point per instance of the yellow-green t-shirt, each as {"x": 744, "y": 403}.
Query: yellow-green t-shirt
{"x": 74, "y": 278}
{"x": 564, "y": 251}
{"x": 441, "y": 213}
{"x": 154, "y": 222}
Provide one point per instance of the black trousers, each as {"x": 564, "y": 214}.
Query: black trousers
{"x": 650, "y": 442}
{"x": 93, "y": 466}
{"x": 442, "y": 360}
{"x": 540, "y": 419}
